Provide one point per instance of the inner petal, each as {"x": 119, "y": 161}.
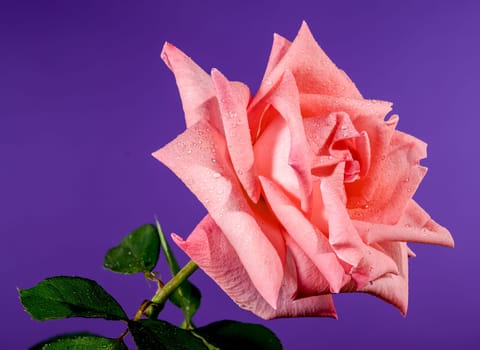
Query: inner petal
{"x": 272, "y": 151}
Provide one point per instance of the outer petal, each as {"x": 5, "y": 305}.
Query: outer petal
{"x": 199, "y": 157}
{"x": 390, "y": 287}
{"x": 210, "y": 249}
{"x": 195, "y": 87}
{"x": 233, "y": 107}
{"x": 415, "y": 225}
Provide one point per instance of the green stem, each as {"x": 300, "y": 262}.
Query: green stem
{"x": 162, "y": 294}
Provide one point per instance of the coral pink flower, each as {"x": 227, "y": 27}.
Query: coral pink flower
{"x": 308, "y": 188}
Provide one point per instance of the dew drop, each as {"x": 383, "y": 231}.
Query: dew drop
{"x": 406, "y": 179}
{"x": 129, "y": 253}
{"x": 214, "y": 160}
{"x": 240, "y": 172}
{"x": 189, "y": 151}
{"x": 216, "y": 175}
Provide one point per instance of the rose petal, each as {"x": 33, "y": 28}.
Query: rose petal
{"x": 343, "y": 236}
{"x": 210, "y": 249}
{"x": 312, "y": 68}
{"x": 322, "y": 105}
{"x": 285, "y": 100}
{"x": 280, "y": 47}
{"x": 334, "y": 139}
{"x": 195, "y": 87}
{"x": 271, "y": 156}
{"x": 415, "y": 225}
{"x": 237, "y": 133}
{"x": 394, "y": 175}
{"x": 310, "y": 281}
{"x": 309, "y": 239}
{"x": 200, "y": 159}
{"x": 390, "y": 287}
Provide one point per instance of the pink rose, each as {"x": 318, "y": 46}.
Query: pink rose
{"x": 308, "y": 189}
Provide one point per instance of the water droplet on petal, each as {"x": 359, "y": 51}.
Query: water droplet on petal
{"x": 216, "y": 175}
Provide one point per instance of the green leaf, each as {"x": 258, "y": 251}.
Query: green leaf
{"x": 80, "y": 341}
{"x": 233, "y": 335}
{"x": 64, "y": 296}
{"x": 186, "y": 296}
{"x": 137, "y": 252}
{"x": 161, "y": 335}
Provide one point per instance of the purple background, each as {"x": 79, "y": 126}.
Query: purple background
{"x": 85, "y": 99}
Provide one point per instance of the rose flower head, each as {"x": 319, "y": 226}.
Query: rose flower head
{"x": 308, "y": 188}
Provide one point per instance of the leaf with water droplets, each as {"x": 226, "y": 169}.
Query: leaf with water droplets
{"x": 64, "y": 297}
{"x": 137, "y": 252}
